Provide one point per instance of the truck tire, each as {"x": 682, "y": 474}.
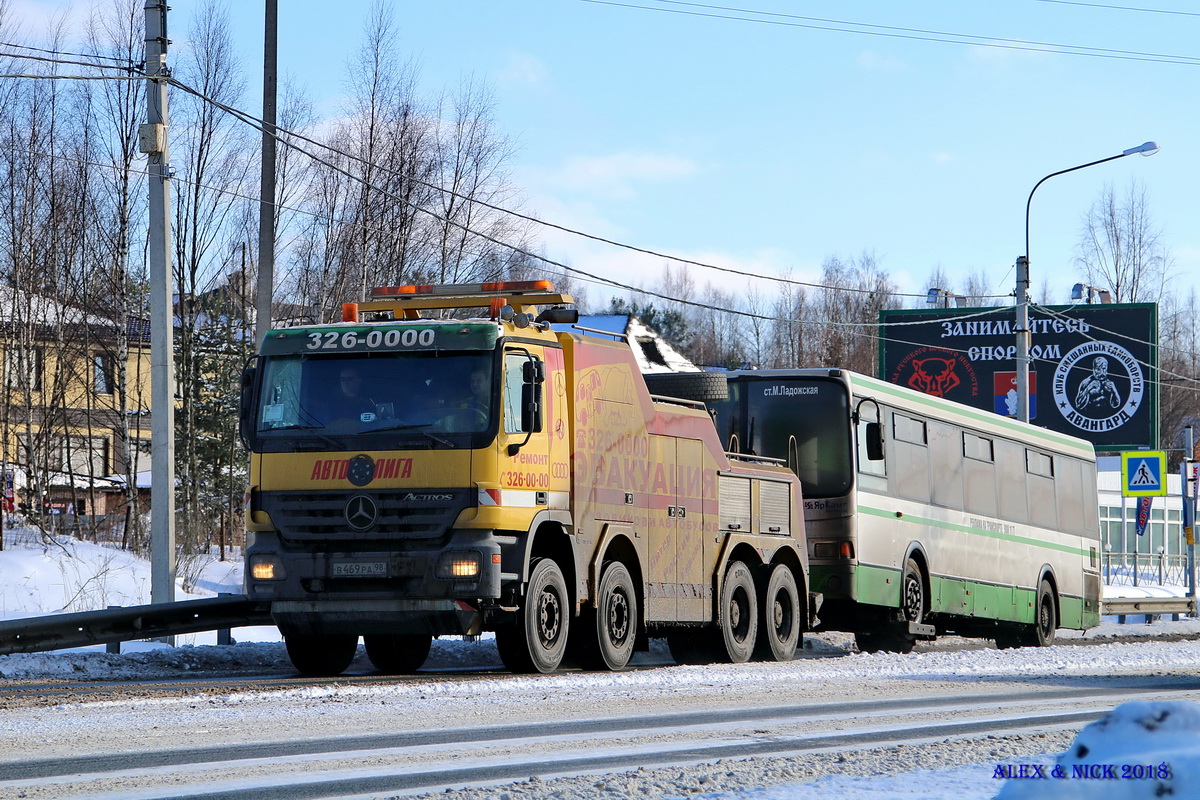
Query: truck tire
{"x": 609, "y": 631}
{"x": 321, "y": 656}
{"x": 398, "y": 655}
{"x": 739, "y": 614}
{"x": 700, "y": 386}
{"x": 537, "y": 640}
{"x": 780, "y": 620}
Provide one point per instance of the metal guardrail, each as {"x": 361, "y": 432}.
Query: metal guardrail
{"x": 58, "y": 631}
{"x": 1125, "y": 606}
{"x": 1150, "y": 569}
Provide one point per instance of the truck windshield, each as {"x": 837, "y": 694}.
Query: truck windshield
{"x": 803, "y": 420}
{"x": 430, "y": 395}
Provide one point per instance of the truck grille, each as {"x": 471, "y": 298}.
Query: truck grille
{"x": 400, "y": 514}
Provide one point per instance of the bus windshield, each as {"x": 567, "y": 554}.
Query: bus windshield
{"x": 329, "y": 398}
{"x": 803, "y": 420}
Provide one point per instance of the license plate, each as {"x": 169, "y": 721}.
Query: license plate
{"x": 359, "y": 569}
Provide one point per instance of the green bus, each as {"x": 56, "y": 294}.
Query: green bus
{"x": 926, "y": 516}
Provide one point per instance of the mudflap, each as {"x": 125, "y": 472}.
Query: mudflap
{"x": 815, "y": 599}
{"x": 920, "y": 630}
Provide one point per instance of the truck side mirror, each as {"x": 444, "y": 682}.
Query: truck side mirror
{"x": 246, "y": 404}
{"x": 533, "y": 372}
{"x": 874, "y": 434}
{"x": 531, "y": 407}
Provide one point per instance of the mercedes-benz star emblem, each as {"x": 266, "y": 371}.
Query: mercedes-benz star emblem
{"x": 361, "y": 512}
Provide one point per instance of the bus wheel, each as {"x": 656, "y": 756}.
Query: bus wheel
{"x": 321, "y": 656}
{"x": 779, "y": 624}
{"x": 538, "y": 639}
{"x": 398, "y": 655}
{"x": 739, "y": 614}
{"x": 1045, "y": 622}
{"x": 607, "y": 643}
{"x": 912, "y": 593}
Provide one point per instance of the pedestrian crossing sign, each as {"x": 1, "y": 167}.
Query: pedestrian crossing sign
{"x": 1143, "y": 473}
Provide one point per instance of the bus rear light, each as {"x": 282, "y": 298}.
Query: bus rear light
{"x": 833, "y": 550}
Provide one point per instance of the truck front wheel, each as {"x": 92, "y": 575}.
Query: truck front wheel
{"x": 537, "y": 640}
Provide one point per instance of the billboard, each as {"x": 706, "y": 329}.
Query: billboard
{"x": 1093, "y": 369}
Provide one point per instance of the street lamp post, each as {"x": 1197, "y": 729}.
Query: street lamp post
{"x": 1022, "y": 290}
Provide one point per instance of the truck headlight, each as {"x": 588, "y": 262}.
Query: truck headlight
{"x": 267, "y": 568}
{"x": 458, "y": 565}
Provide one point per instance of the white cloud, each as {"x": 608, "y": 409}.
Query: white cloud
{"x": 521, "y": 68}
{"x": 871, "y": 61}
{"x": 615, "y": 176}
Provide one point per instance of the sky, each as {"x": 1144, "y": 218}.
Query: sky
{"x": 770, "y": 135}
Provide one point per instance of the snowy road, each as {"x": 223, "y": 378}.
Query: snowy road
{"x": 434, "y": 760}
{"x": 676, "y": 730}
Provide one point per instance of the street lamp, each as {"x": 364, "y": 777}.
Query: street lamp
{"x": 936, "y": 294}
{"x": 1092, "y": 291}
{"x": 1022, "y": 291}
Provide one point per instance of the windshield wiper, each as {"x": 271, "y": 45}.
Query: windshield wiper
{"x": 419, "y": 427}
{"x": 309, "y": 429}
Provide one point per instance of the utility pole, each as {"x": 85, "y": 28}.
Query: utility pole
{"x": 266, "y": 196}
{"x": 1023, "y": 336}
{"x": 1190, "y": 490}
{"x": 152, "y": 140}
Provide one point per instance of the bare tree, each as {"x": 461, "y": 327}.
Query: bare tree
{"x": 211, "y": 147}
{"x": 1121, "y": 249}
{"x": 470, "y": 158}
{"x": 116, "y": 31}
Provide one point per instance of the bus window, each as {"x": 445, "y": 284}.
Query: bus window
{"x": 946, "y": 462}
{"x": 1043, "y": 509}
{"x": 910, "y": 458}
{"x": 805, "y": 421}
{"x": 1010, "y": 481}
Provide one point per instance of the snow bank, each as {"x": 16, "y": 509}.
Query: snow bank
{"x": 1138, "y": 750}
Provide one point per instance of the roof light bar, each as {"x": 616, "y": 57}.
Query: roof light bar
{"x": 462, "y": 289}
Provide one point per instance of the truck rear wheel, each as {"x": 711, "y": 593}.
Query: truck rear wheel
{"x": 607, "y": 643}
{"x": 739, "y": 614}
{"x": 398, "y": 655}
{"x": 537, "y": 640}
{"x": 321, "y": 656}
{"x": 779, "y": 623}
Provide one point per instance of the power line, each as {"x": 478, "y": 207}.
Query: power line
{"x": 917, "y": 34}
{"x": 74, "y": 77}
{"x": 130, "y": 69}
{"x": 280, "y": 134}
{"x": 1123, "y": 8}
{"x": 129, "y": 64}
